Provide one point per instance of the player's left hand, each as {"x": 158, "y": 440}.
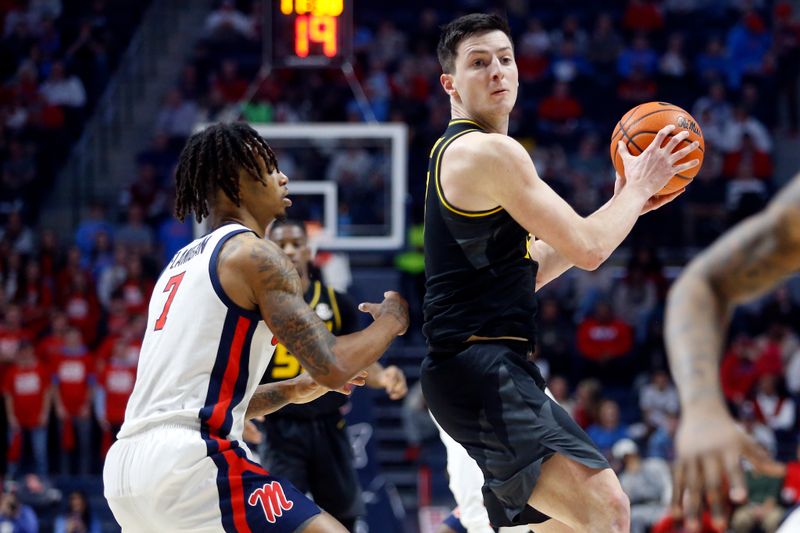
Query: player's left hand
{"x": 654, "y": 202}
{"x": 307, "y": 390}
{"x": 394, "y": 382}
{"x": 709, "y": 447}
{"x": 251, "y": 433}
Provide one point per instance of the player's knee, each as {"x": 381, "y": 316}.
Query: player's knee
{"x": 610, "y": 507}
{"x": 619, "y": 507}
{"x": 613, "y": 508}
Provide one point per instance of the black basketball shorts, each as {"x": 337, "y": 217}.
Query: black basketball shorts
{"x": 491, "y": 399}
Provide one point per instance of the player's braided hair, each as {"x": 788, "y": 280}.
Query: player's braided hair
{"x": 212, "y": 159}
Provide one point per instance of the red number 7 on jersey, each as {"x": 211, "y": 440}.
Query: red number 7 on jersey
{"x": 172, "y": 286}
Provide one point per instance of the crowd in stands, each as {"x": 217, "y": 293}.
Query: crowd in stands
{"x": 55, "y": 60}
{"x": 73, "y": 311}
{"x": 733, "y": 65}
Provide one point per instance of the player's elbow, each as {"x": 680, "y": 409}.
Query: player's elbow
{"x": 588, "y": 250}
{"x": 591, "y": 258}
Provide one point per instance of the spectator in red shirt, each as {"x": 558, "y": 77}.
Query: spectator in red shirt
{"x": 603, "y": 336}
{"x": 11, "y": 335}
{"x": 49, "y": 254}
{"x": 27, "y": 393}
{"x": 73, "y": 377}
{"x": 36, "y": 295}
{"x": 560, "y": 112}
{"x": 82, "y": 308}
{"x": 228, "y": 82}
{"x": 587, "y": 402}
{"x": 136, "y": 288}
{"x": 532, "y": 63}
{"x": 130, "y": 336}
{"x": 774, "y": 407}
{"x": 12, "y": 332}
{"x": 116, "y": 383}
{"x": 52, "y": 343}
{"x": 72, "y": 268}
{"x": 738, "y": 370}
{"x": 604, "y": 342}
{"x": 642, "y": 16}
{"x": 636, "y": 88}
{"x": 117, "y": 322}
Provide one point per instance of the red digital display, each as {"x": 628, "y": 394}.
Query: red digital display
{"x": 310, "y": 32}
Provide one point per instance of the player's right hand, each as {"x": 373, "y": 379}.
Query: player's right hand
{"x": 654, "y": 202}
{"x": 709, "y": 447}
{"x": 655, "y": 166}
{"x": 393, "y": 305}
{"x": 307, "y": 390}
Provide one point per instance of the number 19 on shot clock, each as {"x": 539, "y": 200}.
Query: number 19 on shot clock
{"x": 308, "y": 33}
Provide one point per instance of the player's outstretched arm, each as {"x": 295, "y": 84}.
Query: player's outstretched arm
{"x": 584, "y": 242}
{"x": 748, "y": 260}
{"x": 552, "y": 264}
{"x": 331, "y": 361}
{"x": 391, "y": 379}
{"x": 270, "y": 397}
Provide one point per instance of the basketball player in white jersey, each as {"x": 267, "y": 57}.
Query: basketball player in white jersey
{"x": 216, "y": 313}
{"x": 750, "y": 259}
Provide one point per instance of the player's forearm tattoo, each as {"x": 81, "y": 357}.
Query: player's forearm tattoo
{"x": 289, "y": 317}
{"x": 694, "y": 340}
{"x": 748, "y": 260}
{"x": 267, "y": 399}
{"x": 297, "y": 326}
{"x": 276, "y": 271}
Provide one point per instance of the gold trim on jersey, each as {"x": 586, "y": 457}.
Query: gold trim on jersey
{"x": 337, "y": 317}
{"x": 440, "y": 193}
{"x": 315, "y": 298}
{"x": 464, "y": 121}
{"x": 435, "y": 145}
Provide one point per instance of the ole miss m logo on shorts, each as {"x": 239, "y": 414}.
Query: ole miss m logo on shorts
{"x": 272, "y": 500}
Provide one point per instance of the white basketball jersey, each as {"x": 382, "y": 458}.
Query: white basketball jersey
{"x": 202, "y": 356}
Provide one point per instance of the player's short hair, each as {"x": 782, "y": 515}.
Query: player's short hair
{"x": 289, "y": 222}
{"x": 461, "y": 28}
{"x": 212, "y": 160}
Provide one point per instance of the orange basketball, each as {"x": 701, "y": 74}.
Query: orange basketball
{"x": 639, "y": 127}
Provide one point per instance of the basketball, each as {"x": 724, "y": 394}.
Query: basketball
{"x": 639, "y": 126}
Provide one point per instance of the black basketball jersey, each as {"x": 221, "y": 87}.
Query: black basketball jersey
{"x": 480, "y": 279}
{"x": 338, "y": 313}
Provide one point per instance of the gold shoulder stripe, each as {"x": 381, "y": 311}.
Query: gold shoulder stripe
{"x": 464, "y": 121}
{"x": 438, "y": 141}
{"x": 315, "y": 298}
{"x": 337, "y": 317}
{"x": 439, "y": 192}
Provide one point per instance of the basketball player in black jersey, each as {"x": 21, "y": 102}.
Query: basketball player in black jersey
{"x": 308, "y": 443}
{"x": 483, "y": 200}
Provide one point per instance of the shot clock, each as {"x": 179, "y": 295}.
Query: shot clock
{"x": 308, "y": 33}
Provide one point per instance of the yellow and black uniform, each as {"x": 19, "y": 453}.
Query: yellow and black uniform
{"x": 308, "y": 443}
{"x": 480, "y": 279}
{"x": 486, "y": 394}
